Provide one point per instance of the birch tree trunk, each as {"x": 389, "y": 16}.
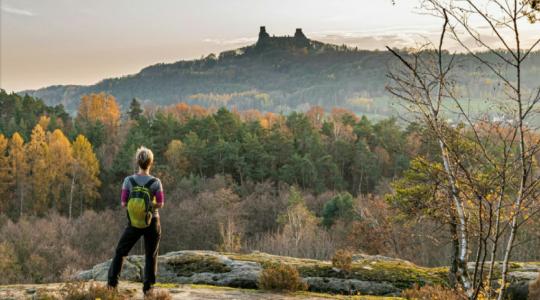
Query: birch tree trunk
{"x": 516, "y": 212}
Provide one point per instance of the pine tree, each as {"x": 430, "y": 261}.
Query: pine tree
{"x": 59, "y": 160}
{"x": 18, "y": 167}
{"x": 135, "y": 109}
{"x": 84, "y": 173}
{"x": 39, "y": 180}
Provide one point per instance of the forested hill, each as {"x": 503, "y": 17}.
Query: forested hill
{"x": 276, "y": 74}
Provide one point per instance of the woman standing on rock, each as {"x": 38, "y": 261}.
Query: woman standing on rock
{"x": 142, "y": 195}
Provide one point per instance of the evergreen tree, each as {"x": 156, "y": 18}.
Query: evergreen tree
{"x": 364, "y": 169}
{"x": 339, "y": 207}
{"x": 195, "y": 150}
{"x": 135, "y": 110}
{"x": 21, "y": 113}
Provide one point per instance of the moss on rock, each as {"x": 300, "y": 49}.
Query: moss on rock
{"x": 400, "y": 274}
{"x": 187, "y": 265}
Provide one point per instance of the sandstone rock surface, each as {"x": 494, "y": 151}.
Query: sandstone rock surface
{"x": 369, "y": 275}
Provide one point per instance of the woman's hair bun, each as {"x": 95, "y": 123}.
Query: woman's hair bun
{"x": 144, "y": 157}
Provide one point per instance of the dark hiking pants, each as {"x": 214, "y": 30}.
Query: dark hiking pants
{"x": 131, "y": 235}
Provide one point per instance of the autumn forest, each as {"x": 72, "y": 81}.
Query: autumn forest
{"x": 238, "y": 176}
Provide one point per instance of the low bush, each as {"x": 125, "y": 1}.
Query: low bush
{"x": 342, "y": 260}
{"x": 281, "y": 277}
{"x": 53, "y": 248}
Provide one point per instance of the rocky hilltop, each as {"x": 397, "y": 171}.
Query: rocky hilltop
{"x": 279, "y": 74}
{"x": 213, "y": 275}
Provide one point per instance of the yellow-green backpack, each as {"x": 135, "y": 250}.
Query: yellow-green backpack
{"x": 139, "y": 204}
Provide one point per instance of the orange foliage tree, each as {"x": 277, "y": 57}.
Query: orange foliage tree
{"x": 100, "y": 107}
{"x": 183, "y": 111}
{"x": 59, "y": 160}
{"x": 18, "y": 168}
{"x": 99, "y": 119}
{"x": 36, "y": 152}
{"x": 84, "y": 174}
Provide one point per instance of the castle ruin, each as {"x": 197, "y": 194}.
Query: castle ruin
{"x": 299, "y": 40}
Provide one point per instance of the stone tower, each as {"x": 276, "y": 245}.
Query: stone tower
{"x": 300, "y": 39}
{"x": 263, "y": 34}
{"x": 265, "y": 41}
{"x": 299, "y": 34}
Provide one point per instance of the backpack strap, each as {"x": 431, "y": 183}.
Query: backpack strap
{"x": 150, "y": 182}
{"x": 133, "y": 182}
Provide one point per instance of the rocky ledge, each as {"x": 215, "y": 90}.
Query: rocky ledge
{"x": 370, "y": 275}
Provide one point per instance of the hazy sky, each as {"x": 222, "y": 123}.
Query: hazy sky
{"x": 46, "y": 42}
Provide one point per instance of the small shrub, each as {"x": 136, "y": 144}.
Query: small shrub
{"x": 430, "y": 292}
{"x": 80, "y": 291}
{"x": 342, "y": 260}
{"x": 281, "y": 277}
{"x": 158, "y": 294}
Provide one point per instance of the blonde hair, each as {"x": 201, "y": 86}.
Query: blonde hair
{"x": 144, "y": 157}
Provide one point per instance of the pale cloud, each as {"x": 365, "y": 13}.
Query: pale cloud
{"x": 394, "y": 37}
{"x": 411, "y": 37}
{"x": 235, "y": 42}
{"x": 17, "y": 11}
{"x": 374, "y": 39}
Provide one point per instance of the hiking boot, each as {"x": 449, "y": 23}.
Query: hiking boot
{"x": 148, "y": 292}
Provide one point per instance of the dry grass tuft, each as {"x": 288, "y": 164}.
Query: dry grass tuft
{"x": 91, "y": 291}
{"x": 158, "y": 294}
